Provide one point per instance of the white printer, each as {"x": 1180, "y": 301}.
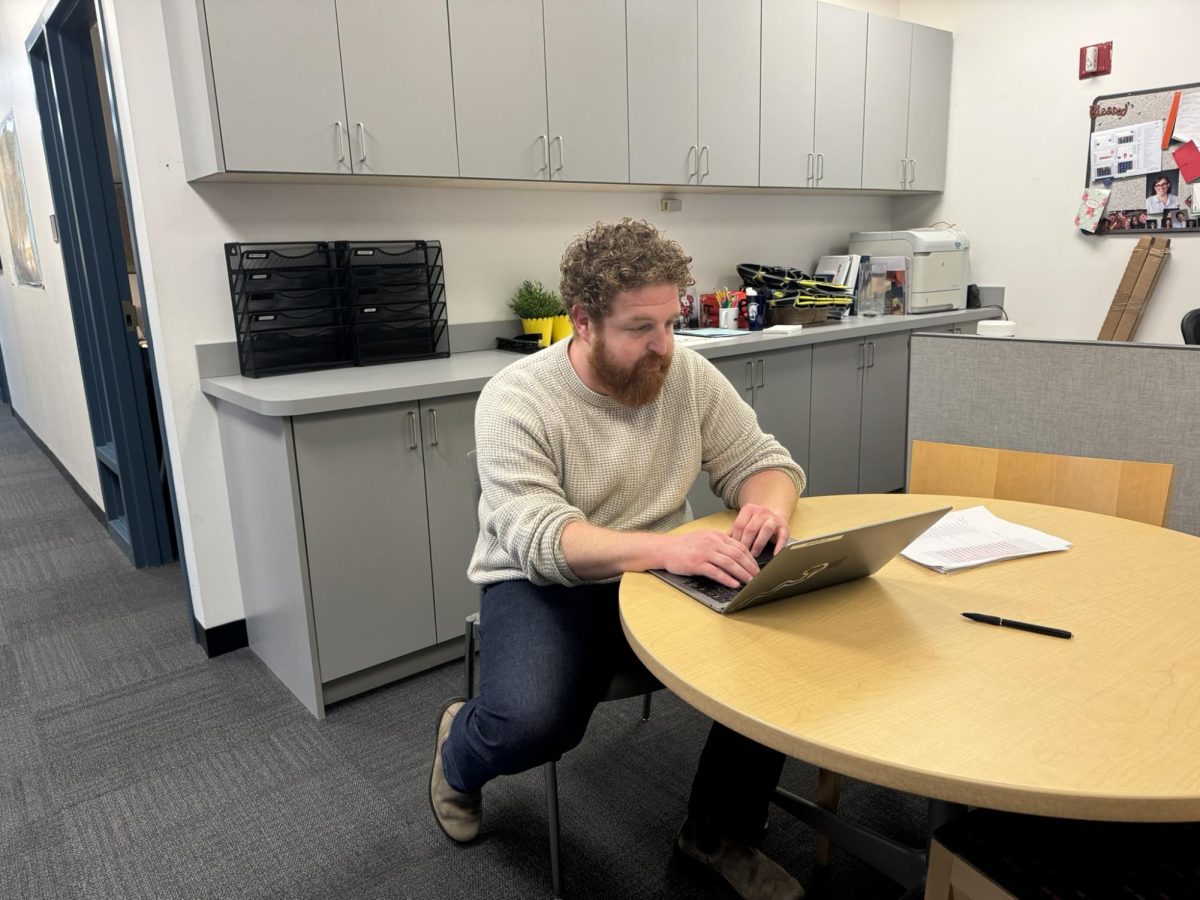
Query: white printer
{"x": 938, "y": 267}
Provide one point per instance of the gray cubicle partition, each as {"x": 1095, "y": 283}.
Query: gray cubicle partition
{"x": 1081, "y": 398}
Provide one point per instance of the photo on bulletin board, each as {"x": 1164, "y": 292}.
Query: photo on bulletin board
{"x": 1143, "y": 167}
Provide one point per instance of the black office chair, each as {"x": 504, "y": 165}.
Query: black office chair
{"x": 633, "y": 682}
{"x": 1190, "y": 326}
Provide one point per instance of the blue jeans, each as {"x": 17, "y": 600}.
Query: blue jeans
{"x": 546, "y": 657}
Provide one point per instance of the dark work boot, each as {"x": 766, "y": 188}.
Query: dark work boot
{"x": 748, "y": 871}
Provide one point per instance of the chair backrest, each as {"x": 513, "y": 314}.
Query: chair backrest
{"x": 1190, "y": 326}
{"x": 1130, "y": 490}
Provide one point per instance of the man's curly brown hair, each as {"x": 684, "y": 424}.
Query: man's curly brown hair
{"x": 610, "y": 258}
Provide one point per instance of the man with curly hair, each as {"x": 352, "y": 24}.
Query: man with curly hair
{"x": 586, "y": 452}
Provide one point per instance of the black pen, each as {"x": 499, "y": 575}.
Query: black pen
{"x": 1013, "y": 623}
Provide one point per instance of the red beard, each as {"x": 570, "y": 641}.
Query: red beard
{"x": 634, "y": 386}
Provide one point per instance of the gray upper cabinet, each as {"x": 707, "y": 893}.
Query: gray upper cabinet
{"x": 693, "y": 91}
{"x": 885, "y": 150}
{"x": 907, "y": 105}
{"x": 277, "y": 81}
{"x": 499, "y": 59}
{"x": 586, "y": 90}
{"x": 399, "y": 92}
{"x": 840, "y": 83}
{"x": 789, "y": 67}
{"x": 929, "y": 107}
{"x": 727, "y": 104}
{"x": 663, "y": 111}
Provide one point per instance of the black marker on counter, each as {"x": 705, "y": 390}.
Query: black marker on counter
{"x": 1013, "y": 623}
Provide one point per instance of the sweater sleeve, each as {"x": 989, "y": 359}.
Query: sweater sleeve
{"x": 524, "y": 507}
{"x": 734, "y": 446}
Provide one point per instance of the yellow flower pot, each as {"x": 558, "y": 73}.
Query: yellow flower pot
{"x": 542, "y": 326}
{"x": 562, "y": 328}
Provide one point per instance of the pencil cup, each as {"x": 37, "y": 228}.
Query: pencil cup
{"x": 729, "y": 317}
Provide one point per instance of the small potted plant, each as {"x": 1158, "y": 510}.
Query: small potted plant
{"x": 540, "y": 311}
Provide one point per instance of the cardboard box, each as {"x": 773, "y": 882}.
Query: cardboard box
{"x": 1125, "y": 290}
{"x": 1156, "y": 256}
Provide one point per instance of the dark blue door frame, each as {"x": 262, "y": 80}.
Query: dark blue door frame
{"x": 122, "y": 416}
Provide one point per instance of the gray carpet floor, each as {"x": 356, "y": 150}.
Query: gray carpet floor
{"x": 133, "y": 767}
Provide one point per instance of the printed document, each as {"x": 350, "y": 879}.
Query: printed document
{"x": 973, "y": 537}
{"x": 1127, "y": 151}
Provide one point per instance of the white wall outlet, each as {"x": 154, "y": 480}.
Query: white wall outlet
{"x": 670, "y": 204}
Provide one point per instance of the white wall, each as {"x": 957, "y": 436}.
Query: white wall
{"x": 1019, "y": 130}
{"x": 36, "y": 330}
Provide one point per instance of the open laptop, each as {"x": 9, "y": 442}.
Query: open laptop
{"x": 810, "y": 564}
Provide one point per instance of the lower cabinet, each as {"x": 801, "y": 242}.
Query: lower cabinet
{"x": 778, "y": 385}
{"x": 859, "y": 412}
{"x": 387, "y": 534}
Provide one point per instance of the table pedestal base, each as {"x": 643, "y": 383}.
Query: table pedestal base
{"x": 903, "y": 864}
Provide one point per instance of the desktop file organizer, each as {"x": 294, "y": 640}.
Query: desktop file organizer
{"x": 300, "y": 306}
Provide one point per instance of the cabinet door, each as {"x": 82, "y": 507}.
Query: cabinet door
{"x": 837, "y": 377}
{"x": 362, "y": 489}
{"x": 499, "y": 62}
{"x": 448, "y": 435}
{"x": 885, "y": 149}
{"x": 782, "y": 397}
{"x": 789, "y": 66}
{"x": 586, "y": 90}
{"x": 740, "y": 372}
{"x": 929, "y": 107}
{"x": 662, "y": 91}
{"x": 728, "y": 41}
{"x": 841, "y": 81}
{"x": 399, "y": 93}
{"x": 277, "y": 72}
{"x": 884, "y": 414}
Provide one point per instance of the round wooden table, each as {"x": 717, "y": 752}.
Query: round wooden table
{"x": 883, "y": 680}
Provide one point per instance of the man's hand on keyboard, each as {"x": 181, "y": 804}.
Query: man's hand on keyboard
{"x": 710, "y": 553}
{"x": 756, "y": 526}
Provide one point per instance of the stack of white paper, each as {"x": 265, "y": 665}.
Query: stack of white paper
{"x": 972, "y": 537}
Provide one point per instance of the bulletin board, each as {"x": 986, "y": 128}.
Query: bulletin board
{"x": 1143, "y": 163}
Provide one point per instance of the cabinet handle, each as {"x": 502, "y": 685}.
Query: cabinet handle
{"x": 337, "y": 135}
{"x": 762, "y": 370}
{"x": 412, "y": 431}
{"x": 903, "y": 172}
{"x": 808, "y": 172}
{"x": 820, "y": 166}
{"x": 544, "y": 141}
{"x": 362, "y": 142}
{"x": 871, "y": 355}
{"x": 693, "y": 173}
{"x": 707, "y": 158}
{"x": 558, "y": 140}
{"x": 433, "y": 440}
{"x": 862, "y": 356}
{"x": 750, "y": 377}
{"x": 912, "y": 170}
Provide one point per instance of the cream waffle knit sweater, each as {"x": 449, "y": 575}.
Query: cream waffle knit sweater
{"x": 552, "y": 451}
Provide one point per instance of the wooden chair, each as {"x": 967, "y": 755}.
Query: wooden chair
{"x": 988, "y": 855}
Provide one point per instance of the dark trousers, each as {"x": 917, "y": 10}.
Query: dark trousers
{"x": 547, "y": 655}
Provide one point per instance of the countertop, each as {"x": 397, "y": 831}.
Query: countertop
{"x": 463, "y": 373}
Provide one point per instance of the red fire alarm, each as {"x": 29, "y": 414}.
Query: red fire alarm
{"x": 1095, "y": 59}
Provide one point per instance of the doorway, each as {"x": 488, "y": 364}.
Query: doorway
{"x": 68, "y": 56}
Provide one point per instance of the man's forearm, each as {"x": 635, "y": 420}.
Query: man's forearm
{"x": 771, "y": 488}
{"x": 596, "y": 553}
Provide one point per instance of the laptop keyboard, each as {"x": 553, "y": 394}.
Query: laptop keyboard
{"x": 718, "y": 592}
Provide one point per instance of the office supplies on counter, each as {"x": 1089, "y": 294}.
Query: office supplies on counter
{"x": 974, "y": 537}
{"x": 937, "y": 264}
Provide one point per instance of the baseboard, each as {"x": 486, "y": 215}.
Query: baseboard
{"x": 92, "y": 505}
{"x": 221, "y": 639}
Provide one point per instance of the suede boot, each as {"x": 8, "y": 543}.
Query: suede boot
{"x": 459, "y": 814}
{"x": 747, "y": 870}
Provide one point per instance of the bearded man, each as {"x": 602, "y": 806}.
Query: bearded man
{"x": 586, "y": 452}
